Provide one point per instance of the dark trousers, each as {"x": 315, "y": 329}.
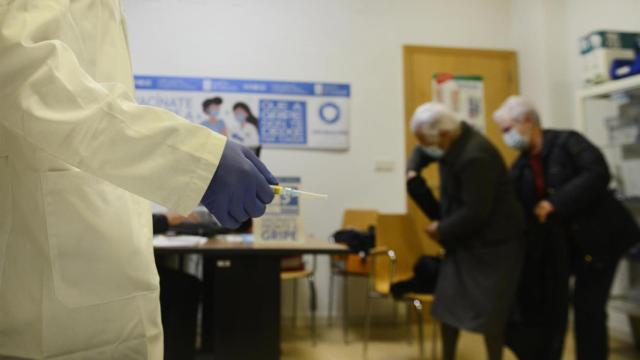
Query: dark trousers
{"x": 538, "y": 323}
{"x": 592, "y": 286}
{"x": 179, "y": 300}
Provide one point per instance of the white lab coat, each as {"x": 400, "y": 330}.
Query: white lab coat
{"x": 79, "y": 160}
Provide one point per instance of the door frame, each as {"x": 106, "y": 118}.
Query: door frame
{"x": 410, "y": 50}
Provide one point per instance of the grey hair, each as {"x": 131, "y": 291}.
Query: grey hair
{"x": 431, "y": 118}
{"x": 515, "y": 109}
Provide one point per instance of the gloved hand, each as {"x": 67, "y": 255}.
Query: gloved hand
{"x": 239, "y": 188}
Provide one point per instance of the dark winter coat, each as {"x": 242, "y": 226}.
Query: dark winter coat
{"x": 481, "y": 229}
{"x": 577, "y": 185}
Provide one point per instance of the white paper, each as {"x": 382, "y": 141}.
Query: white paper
{"x": 236, "y": 238}
{"x": 178, "y": 241}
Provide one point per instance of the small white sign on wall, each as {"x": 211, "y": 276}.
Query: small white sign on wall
{"x": 282, "y": 221}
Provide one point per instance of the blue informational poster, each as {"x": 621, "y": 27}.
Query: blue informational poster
{"x": 256, "y": 112}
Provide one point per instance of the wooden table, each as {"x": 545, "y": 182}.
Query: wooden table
{"x": 246, "y": 288}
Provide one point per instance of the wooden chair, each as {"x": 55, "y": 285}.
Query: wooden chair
{"x": 349, "y": 265}
{"x": 399, "y": 244}
{"x": 418, "y": 302}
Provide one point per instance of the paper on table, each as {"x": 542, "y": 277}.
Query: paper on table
{"x": 236, "y": 238}
{"x": 176, "y": 241}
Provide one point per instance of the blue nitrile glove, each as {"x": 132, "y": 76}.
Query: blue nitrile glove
{"x": 239, "y": 188}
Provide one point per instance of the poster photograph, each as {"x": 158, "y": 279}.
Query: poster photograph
{"x": 256, "y": 113}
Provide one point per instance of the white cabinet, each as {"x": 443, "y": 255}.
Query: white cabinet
{"x": 609, "y": 115}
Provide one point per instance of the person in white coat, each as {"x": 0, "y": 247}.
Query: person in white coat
{"x": 245, "y": 130}
{"x": 79, "y": 162}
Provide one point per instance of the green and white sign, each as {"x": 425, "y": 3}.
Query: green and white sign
{"x": 463, "y": 94}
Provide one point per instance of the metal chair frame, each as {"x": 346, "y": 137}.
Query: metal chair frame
{"x": 412, "y": 304}
{"x": 313, "y": 302}
{"x": 336, "y": 270}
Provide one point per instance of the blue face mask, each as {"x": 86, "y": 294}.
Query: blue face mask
{"x": 515, "y": 140}
{"x": 240, "y": 117}
{"x": 214, "y": 113}
{"x": 433, "y": 151}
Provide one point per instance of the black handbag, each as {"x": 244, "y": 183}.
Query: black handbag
{"x": 360, "y": 242}
{"x": 424, "y": 280}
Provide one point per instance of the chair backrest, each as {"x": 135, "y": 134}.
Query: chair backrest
{"x": 398, "y": 232}
{"x": 358, "y": 219}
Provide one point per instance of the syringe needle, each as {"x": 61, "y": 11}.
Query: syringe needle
{"x": 281, "y": 190}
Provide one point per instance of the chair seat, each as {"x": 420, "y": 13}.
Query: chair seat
{"x": 295, "y": 274}
{"x": 382, "y": 287}
{"x": 423, "y": 298}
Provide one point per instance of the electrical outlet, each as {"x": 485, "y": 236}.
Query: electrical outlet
{"x": 384, "y": 165}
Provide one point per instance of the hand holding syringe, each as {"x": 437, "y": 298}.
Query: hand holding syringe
{"x": 281, "y": 190}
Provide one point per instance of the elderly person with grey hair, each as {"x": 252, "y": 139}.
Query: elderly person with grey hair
{"x": 478, "y": 222}
{"x": 574, "y": 225}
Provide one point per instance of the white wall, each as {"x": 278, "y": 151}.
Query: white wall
{"x": 539, "y": 35}
{"x": 354, "y": 41}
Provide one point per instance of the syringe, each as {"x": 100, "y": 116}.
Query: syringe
{"x": 281, "y": 190}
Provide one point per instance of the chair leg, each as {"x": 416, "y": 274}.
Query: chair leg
{"x": 434, "y": 339}
{"x": 345, "y": 308}
{"x": 313, "y": 306}
{"x": 332, "y": 276}
{"x": 294, "y": 316}
{"x": 417, "y": 305}
{"x": 407, "y": 324}
{"x": 395, "y": 313}
{"x": 367, "y": 325}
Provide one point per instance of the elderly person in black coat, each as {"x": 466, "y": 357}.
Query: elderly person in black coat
{"x": 574, "y": 226}
{"x": 478, "y": 222}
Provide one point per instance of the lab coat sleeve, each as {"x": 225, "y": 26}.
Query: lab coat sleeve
{"x": 49, "y": 100}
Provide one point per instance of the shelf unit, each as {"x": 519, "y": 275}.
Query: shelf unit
{"x": 605, "y": 89}
{"x": 624, "y": 303}
{"x": 602, "y": 91}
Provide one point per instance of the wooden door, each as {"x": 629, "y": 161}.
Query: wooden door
{"x": 500, "y": 75}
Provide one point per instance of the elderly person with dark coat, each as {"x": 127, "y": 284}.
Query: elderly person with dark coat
{"x": 574, "y": 226}
{"x": 478, "y": 222}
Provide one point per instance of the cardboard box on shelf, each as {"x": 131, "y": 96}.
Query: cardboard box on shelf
{"x": 598, "y": 49}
